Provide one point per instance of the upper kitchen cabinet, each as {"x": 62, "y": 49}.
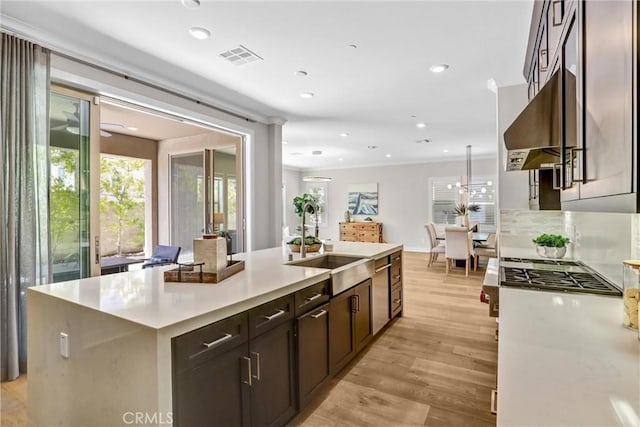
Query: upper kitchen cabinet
{"x": 593, "y": 46}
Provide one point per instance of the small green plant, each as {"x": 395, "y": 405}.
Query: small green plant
{"x": 461, "y": 209}
{"x": 299, "y": 201}
{"x": 309, "y": 240}
{"x": 551, "y": 240}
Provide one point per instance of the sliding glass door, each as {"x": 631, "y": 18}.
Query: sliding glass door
{"x": 206, "y": 197}
{"x": 74, "y": 175}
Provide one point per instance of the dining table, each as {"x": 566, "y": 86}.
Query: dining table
{"x": 476, "y": 236}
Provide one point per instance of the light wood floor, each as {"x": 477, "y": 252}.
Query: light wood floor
{"x": 434, "y": 366}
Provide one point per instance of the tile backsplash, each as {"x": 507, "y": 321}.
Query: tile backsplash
{"x": 600, "y": 240}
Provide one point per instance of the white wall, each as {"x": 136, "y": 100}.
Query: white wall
{"x": 513, "y": 186}
{"x": 403, "y": 196}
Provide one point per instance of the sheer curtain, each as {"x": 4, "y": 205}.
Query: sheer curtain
{"x": 24, "y": 243}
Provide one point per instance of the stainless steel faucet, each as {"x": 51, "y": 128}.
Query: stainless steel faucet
{"x": 303, "y": 247}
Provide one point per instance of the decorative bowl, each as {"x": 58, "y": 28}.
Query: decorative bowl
{"x": 310, "y": 248}
{"x": 551, "y": 252}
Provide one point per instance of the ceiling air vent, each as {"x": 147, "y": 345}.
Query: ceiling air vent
{"x": 240, "y": 55}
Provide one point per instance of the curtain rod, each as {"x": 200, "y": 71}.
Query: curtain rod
{"x": 151, "y": 85}
{"x": 15, "y": 33}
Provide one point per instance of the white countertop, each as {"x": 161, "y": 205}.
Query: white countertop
{"x": 143, "y": 297}
{"x": 566, "y": 360}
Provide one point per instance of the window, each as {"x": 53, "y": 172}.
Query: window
{"x": 319, "y": 189}
{"x": 444, "y": 199}
{"x": 445, "y": 195}
{"x": 482, "y": 193}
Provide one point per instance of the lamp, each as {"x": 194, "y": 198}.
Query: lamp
{"x": 218, "y": 218}
{"x": 466, "y": 187}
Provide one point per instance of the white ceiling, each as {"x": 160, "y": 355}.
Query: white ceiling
{"x": 371, "y": 92}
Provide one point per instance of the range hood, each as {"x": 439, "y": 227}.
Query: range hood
{"x": 535, "y": 136}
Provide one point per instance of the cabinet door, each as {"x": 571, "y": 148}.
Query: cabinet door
{"x": 363, "y": 326}
{"x": 608, "y": 98}
{"x": 272, "y": 390}
{"x": 215, "y": 393}
{"x": 313, "y": 352}
{"x": 341, "y": 345}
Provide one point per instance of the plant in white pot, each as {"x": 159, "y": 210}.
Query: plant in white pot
{"x": 462, "y": 210}
{"x": 551, "y": 245}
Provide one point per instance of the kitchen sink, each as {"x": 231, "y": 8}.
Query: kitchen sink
{"x": 346, "y": 271}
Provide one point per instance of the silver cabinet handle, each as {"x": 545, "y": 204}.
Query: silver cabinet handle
{"x": 397, "y": 301}
{"x": 397, "y": 276}
{"x": 319, "y": 314}
{"x": 494, "y": 401}
{"x": 396, "y": 259}
{"x": 312, "y": 297}
{"x": 378, "y": 270}
{"x": 248, "y": 380}
{"x": 217, "y": 342}
{"x": 257, "y": 355}
{"x": 275, "y": 315}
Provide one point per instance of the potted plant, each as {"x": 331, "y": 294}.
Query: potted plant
{"x": 300, "y": 201}
{"x": 551, "y": 245}
{"x": 312, "y": 243}
{"x": 462, "y": 210}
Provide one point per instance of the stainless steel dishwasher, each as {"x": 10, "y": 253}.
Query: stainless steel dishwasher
{"x": 380, "y": 302}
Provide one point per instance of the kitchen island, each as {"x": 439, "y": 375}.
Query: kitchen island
{"x": 564, "y": 358}
{"x": 116, "y": 365}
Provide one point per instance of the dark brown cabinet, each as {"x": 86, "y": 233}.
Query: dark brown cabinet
{"x": 272, "y": 389}
{"x": 312, "y": 338}
{"x": 211, "y": 375}
{"x": 350, "y": 324}
{"x": 238, "y": 371}
{"x": 395, "y": 300}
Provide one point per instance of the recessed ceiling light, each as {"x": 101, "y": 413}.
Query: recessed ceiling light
{"x": 307, "y": 95}
{"x": 295, "y": 154}
{"x": 316, "y": 152}
{"x": 445, "y": 151}
{"x": 421, "y": 125}
{"x": 352, "y": 46}
{"x": 341, "y": 159}
{"x": 343, "y": 134}
{"x": 301, "y": 73}
{"x": 190, "y": 4}
{"x": 199, "y": 33}
{"x": 387, "y": 155}
{"x": 438, "y": 68}
{"x": 284, "y": 142}
{"x": 132, "y": 128}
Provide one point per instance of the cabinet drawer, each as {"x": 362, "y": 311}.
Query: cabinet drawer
{"x": 269, "y": 315}
{"x": 396, "y": 257}
{"x": 201, "y": 345}
{"x": 311, "y": 297}
{"x": 396, "y": 273}
{"x": 396, "y": 301}
{"x": 349, "y": 236}
{"x": 367, "y": 236}
{"x": 369, "y": 227}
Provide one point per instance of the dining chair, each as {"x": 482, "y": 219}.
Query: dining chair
{"x": 458, "y": 245}
{"x": 435, "y": 246}
{"x": 488, "y": 249}
{"x": 163, "y": 255}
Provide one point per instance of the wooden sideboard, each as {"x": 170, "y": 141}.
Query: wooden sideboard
{"x": 361, "y": 232}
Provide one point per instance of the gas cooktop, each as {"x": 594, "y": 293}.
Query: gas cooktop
{"x": 554, "y": 275}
